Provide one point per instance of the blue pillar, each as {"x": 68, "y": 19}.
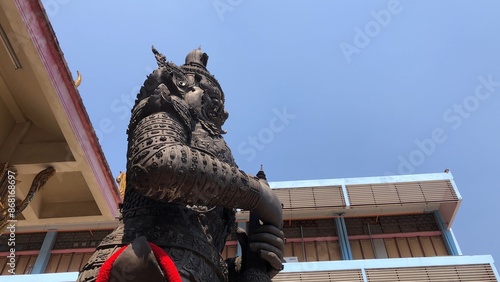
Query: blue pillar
{"x": 345, "y": 247}
{"x": 44, "y": 255}
{"x": 449, "y": 239}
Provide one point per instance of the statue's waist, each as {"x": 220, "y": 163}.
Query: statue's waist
{"x": 151, "y": 210}
{"x": 192, "y": 253}
{"x": 190, "y": 250}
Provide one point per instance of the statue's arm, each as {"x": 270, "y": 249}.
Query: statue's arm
{"x": 162, "y": 166}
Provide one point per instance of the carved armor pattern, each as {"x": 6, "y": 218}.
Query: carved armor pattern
{"x": 182, "y": 182}
{"x": 161, "y": 167}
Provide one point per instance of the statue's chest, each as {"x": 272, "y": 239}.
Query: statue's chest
{"x": 215, "y": 146}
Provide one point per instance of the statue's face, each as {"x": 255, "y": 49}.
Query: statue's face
{"x": 194, "y": 98}
{"x": 208, "y": 103}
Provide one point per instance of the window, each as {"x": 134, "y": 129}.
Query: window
{"x": 415, "y": 235}
{"x": 311, "y": 240}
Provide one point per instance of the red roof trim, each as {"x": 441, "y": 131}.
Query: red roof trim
{"x": 45, "y": 41}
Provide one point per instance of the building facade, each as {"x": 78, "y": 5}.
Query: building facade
{"x": 393, "y": 228}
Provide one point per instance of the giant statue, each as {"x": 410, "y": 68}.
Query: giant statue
{"x": 183, "y": 188}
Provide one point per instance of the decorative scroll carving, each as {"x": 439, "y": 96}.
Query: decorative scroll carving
{"x": 37, "y": 184}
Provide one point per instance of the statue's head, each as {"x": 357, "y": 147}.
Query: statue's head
{"x": 197, "y": 56}
{"x": 204, "y": 95}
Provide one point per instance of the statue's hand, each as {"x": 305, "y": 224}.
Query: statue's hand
{"x": 269, "y": 209}
{"x": 269, "y": 243}
{"x": 265, "y": 241}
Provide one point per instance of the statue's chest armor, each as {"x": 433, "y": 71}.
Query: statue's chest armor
{"x": 215, "y": 146}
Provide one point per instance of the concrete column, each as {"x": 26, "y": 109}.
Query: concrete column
{"x": 449, "y": 238}
{"x": 43, "y": 257}
{"x": 345, "y": 247}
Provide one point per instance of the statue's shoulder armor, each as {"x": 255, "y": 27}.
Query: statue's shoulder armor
{"x": 161, "y": 94}
{"x": 162, "y": 101}
{"x": 162, "y": 90}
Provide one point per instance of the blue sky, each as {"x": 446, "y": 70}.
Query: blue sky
{"x": 315, "y": 90}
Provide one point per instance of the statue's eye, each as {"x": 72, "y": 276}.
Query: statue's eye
{"x": 182, "y": 83}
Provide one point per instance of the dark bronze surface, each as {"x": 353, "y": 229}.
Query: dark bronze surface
{"x": 182, "y": 183}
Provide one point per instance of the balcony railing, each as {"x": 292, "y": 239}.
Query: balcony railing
{"x": 368, "y": 196}
{"x": 449, "y": 268}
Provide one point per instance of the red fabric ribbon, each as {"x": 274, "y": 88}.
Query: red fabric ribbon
{"x": 165, "y": 262}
